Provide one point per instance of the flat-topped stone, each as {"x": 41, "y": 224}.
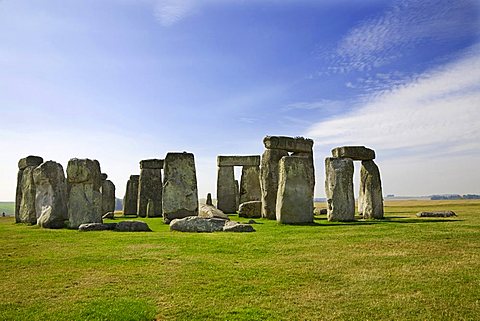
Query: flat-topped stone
{"x": 29, "y": 161}
{"x": 151, "y": 163}
{"x": 354, "y": 152}
{"x": 252, "y": 160}
{"x": 291, "y": 144}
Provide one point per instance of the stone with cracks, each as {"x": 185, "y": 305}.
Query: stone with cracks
{"x": 226, "y": 190}
{"x": 29, "y": 161}
{"x": 232, "y": 226}
{"x": 311, "y": 168}
{"x": 354, "y": 152}
{"x": 370, "y": 200}
{"x": 250, "y": 184}
{"x": 252, "y": 209}
{"x": 108, "y": 196}
{"x": 339, "y": 189}
{"x": 150, "y": 188}
{"x": 291, "y": 144}
{"x": 210, "y": 211}
{"x": 51, "y": 195}
{"x": 253, "y": 160}
{"x": 84, "y": 196}
{"x": 269, "y": 181}
{"x": 27, "y": 213}
{"x": 130, "y": 200}
{"x": 197, "y": 224}
{"x": 295, "y": 195}
{"x": 180, "y": 194}
{"x": 87, "y": 227}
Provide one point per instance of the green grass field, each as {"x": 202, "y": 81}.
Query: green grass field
{"x": 400, "y": 268}
{"x": 8, "y": 208}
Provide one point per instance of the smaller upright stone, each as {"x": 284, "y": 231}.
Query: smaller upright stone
{"x": 339, "y": 189}
{"x": 354, "y": 152}
{"x": 237, "y": 195}
{"x": 295, "y": 195}
{"x": 370, "y": 200}
{"x": 226, "y": 189}
{"x": 150, "y": 188}
{"x": 108, "y": 195}
{"x": 25, "y": 211}
{"x": 209, "y": 199}
{"x": 252, "y": 209}
{"x": 131, "y": 196}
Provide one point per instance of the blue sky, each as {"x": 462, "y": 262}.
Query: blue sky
{"x": 124, "y": 80}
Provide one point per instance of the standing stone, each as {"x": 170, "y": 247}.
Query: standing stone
{"x": 250, "y": 184}
{"x": 370, "y": 200}
{"x": 237, "y": 195}
{"x": 130, "y": 201}
{"x": 311, "y": 168}
{"x": 25, "y": 193}
{"x": 150, "y": 188}
{"x": 339, "y": 189}
{"x": 84, "y": 196}
{"x": 180, "y": 194}
{"x": 209, "y": 199}
{"x": 295, "y": 195}
{"x": 108, "y": 195}
{"x": 226, "y": 190}
{"x": 51, "y": 195}
{"x": 269, "y": 181}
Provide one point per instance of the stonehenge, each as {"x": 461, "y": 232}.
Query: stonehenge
{"x": 278, "y": 147}
{"x": 25, "y": 210}
{"x": 108, "y": 195}
{"x": 84, "y": 196}
{"x": 339, "y": 184}
{"x": 229, "y": 194}
{"x": 150, "y": 188}
{"x": 180, "y": 194}
{"x": 130, "y": 201}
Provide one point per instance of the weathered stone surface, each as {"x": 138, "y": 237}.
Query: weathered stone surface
{"x": 84, "y": 196}
{"x": 291, "y": 144}
{"x": 269, "y": 181}
{"x": 103, "y": 176}
{"x": 97, "y": 227}
{"x": 51, "y": 195}
{"x": 252, "y": 209}
{"x": 209, "y": 199}
{"x": 109, "y": 215}
{"x": 339, "y": 189}
{"x": 295, "y": 195}
{"x": 226, "y": 190}
{"x": 311, "y": 168}
{"x": 151, "y": 164}
{"x": 130, "y": 201}
{"x": 197, "y": 224}
{"x": 354, "y": 152}
{"x": 370, "y": 200}
{"x": 320, "y": 211}
{"x": 18, "y": 196}
{"x": 237, "y": 195}
{"x": 108, "y": 196}
{"x": 210, "y": 211}
{"x": 253, "y": 160}
{"x": 437, "y": 214}
{"x": 180, "y": 194}
{"x": 132, "y": 226}
{"x": 29, "y": 161}
{"x": 150, "y": 189}
{"x": 231, "y": 226}
{"x": 250, "y": 184}
{"x": 27, "y": 211}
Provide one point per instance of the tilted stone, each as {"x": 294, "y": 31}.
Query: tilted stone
{"x": 151, "y": 163}
{"x": 180, "y": 193}
{"x": 51, "y": 195}
{"x": 370, "y": 200}
{"x": 295, "y": 195}
{"x": 150, "y": 189}
{"x": 269, "y": 181}
{"x": 84, "y": 196}
{"x": 29, "y": 161}
{"x": 354, "y": 152}
{"x": 252, "y": 209}
{"x": 291, "y": 144}
{"x": 130, "y": 201}
{"x": 250, "y": 184}
{"x": 226, "y": 190}
{"x": 253, "y": 160}
{"x": 108, "y": 196}
{"x": 339, "y": 189}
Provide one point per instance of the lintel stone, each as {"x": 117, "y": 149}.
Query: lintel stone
{"x": 29, "y": 161}
{"x": 151, "y": 163}
{"x": 359, "y": 153}
{"x": 253, "y": 160}
{"x": 290, "y": 144}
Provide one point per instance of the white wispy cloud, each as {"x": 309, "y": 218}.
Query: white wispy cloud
{"x": 435, "y": 113}
{"x": 382, "y": 39}
{"x": 169, "y": 12}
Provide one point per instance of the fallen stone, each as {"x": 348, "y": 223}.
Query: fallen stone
{"x": 97, "y": 227}
{"x": 291, "y": 144}
{"x": 253, "y": 160}
{"x": 437, "y": 214}
{"x": 109, "y": 215}
{"x": 252, "y": 209}
{"x": 132, "y": 226}
{"x": 210, "y": 211}
{"x": 320, "y": 211}
{"x": 252, "y": 222}
{"x": 232, "y": 226}
{"x": 197, "y": 224}
{"x": 354, "y": 152}
{"x": 339, "y": 189}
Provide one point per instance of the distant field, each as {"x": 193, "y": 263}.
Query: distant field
{"x": 8, "y": 208}
{"x": 401, "y": 268}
